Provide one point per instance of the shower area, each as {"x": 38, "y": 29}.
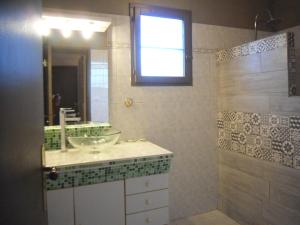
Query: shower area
{"x": 259, "y": 128}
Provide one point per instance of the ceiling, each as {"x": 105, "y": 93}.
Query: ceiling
{"x": 233, "y": 13}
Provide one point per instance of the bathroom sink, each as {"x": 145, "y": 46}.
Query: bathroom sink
{"x": 96, "y": 143}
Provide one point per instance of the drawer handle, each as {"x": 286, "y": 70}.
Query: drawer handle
{"x": 147, "y": 183}
{"x": 147, "y": 220}
{"x": 147, "y": 202}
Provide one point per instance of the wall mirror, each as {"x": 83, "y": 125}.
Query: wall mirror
{"x": 75, "y": 62}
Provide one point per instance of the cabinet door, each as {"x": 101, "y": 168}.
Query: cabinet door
{"x": 100, "y": 204}
{"x": 60, "y": 207}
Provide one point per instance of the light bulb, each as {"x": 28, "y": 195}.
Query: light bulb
{"x": 42, "y": 28}
{"x": 87, "y": 34}
{"x": 66, "y": 33}
{"x": 45, "y": 31}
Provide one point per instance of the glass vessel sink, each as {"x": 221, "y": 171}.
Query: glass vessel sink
{"x": 96, "y": 143}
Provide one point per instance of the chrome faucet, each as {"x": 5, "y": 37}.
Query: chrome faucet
{"x": 66, "y": 115}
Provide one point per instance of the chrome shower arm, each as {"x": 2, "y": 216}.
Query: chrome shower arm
{"x": 272, "y": 22}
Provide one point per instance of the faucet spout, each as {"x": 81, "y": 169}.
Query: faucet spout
{"x": 63, "y": 119}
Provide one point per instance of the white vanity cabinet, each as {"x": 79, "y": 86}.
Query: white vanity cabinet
{"x": 134, "y": 201}
{"x": 98, "y": 204}
{"x": 142, "y": 199}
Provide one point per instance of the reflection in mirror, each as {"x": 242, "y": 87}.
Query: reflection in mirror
{"x": 75, "y": 76}
{"x": 99, "y": 86}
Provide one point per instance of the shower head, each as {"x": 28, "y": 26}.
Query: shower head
{"x": 272, "y": 22}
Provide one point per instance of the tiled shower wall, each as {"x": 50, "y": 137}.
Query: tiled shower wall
{"x": 296, "y": 31}
{"x": 258, "y": 137}
{"x": 181, "y": 119}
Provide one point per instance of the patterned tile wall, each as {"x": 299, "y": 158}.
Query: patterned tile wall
{"x": 263, "y": 45}
{"x": 111, "y": 171}
{"x": 263, "y": 136}
{"x": 52, "y": 133}
{"x": 292, "y": 72}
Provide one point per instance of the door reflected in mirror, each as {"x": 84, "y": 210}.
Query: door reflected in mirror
{"x": 75, "y": 78}
{"x": 75, "y": 65}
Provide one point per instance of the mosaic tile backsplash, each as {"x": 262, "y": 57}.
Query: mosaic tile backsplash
{"x": 268, "y": 137}
{"x": 112, "y": 171}
{"x": 52, "y": 133}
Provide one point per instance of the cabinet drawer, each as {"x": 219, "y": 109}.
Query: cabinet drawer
{"x": 153, "y": 217}
{"x": 144, "y": 184}
{"x": 146, "y": 201}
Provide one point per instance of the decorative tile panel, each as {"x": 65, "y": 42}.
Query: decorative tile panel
{"x": 295, "y": 122}
{"x": 264, "y": 131}
{"x": 52, "y": 133}
{"x": 112, "y": 171}
{"x": 292, "y": 64}
{"x": 267, "y": 137}
{"x": 263, "y": 45}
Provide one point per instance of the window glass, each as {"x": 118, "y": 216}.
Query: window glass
{"x": 161, "y": 45}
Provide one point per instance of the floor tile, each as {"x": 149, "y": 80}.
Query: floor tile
{"x": 211, "y": 218}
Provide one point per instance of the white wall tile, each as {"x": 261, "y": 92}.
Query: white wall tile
{"x": 181, "y": 119}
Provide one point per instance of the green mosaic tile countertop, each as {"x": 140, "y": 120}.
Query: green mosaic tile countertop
{"x": 122, "y": 161}
{"x": 119, "y": 153}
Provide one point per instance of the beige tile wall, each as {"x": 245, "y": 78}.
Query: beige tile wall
{"x": 256, "y": 83}
{"x": 257, "y": 192}
{"x": 181, "y": 119}
{"x": 253, "y": 191}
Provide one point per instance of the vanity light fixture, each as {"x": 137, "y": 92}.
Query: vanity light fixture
{"x": 68, "y": 24}
{"x": 66, "y": 32}
{"x": 87, "y": 34}
{"x": 42, "y": 29}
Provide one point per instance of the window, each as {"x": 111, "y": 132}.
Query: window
{"x": 161, "y": 46}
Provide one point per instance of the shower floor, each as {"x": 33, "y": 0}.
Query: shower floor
{"x": 211, "y": 218}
